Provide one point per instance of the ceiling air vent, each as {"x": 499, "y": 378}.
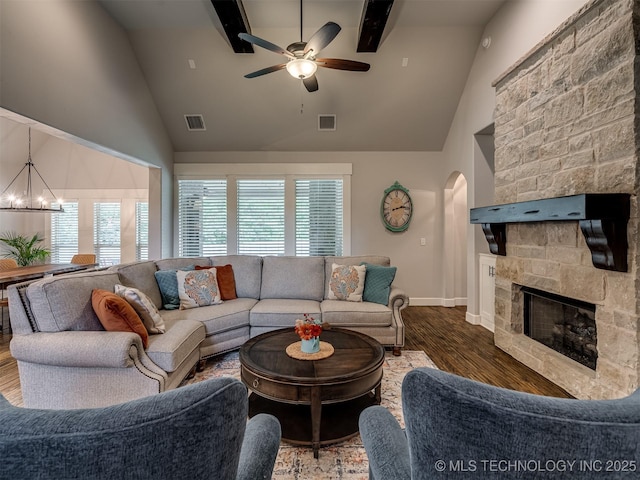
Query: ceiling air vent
{"x": 195, "y": 123}
{"x": 326, "y": 123}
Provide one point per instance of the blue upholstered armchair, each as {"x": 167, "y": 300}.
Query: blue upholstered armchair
{"x": 195, "y": 432}
{"x": 459, "y": 428}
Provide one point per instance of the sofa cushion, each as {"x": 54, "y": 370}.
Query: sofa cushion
{"x": 293, "y": 278}
{"x": 247, "y": 270}
{"x": 180, "y": 263}
{"x": 280, "y": 313}
{"x": 229, "y": 315}
{"x": 116, "y": 315}
{"x": 347, "y": 282}
{"x": 168, "y": 285}
{"x": 355, "y": 314}
{"x": 140, "y": 275}
{"x": 143, "y": 306}
{"x": 198, "y": 288}
{"x": 63, "y": 302}
{"x": 352, "y": 260}
{"x": 377, "y": 284}
{"x": 171, "y": 349}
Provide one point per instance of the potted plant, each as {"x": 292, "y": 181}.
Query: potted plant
{"x": 25, "y": 250}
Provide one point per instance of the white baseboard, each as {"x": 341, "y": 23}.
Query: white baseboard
{"x": 487, "y": 323}
{"x": 479, "y": 320}
{"x": 437, "y": 302}
{"x": 473, "y": 319}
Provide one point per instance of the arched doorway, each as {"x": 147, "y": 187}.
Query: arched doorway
{"x": 455, "y": 240}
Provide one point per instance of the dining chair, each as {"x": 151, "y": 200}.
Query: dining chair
{"x": 84, "y": 259}
{"x": 5, "y": 264}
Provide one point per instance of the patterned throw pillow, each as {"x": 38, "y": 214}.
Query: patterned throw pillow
{"x": 347, "y": 282}
{"x": 377, "y": 284}
{"x": 168, "y": 285}
{"x": 226, "y": 281}
{"x": 143, "y": 306}
{"x": 116, "y": 315}
{"x": 198, "y": 288}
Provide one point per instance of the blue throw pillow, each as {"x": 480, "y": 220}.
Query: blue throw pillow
{"x": 168, "y": 284}
{"x": 377, "y": 283}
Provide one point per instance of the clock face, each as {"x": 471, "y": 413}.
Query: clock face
{"x": 397, "y": 209}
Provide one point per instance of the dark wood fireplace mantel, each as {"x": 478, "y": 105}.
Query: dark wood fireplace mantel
{"x": 603, "y": 220}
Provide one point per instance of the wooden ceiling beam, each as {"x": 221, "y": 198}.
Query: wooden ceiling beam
{"x": 374, "y": 18}
{"x": 234, "y": 21}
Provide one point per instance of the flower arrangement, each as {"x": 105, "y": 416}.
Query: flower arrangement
{"x": 307, "y": 328}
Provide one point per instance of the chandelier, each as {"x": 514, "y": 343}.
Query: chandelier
{"x": 12, "y": 201}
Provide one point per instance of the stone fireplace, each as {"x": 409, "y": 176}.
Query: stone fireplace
{"x": 567, "y": 123}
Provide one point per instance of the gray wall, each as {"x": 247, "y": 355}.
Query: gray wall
{"x": 69, "y": 66}
{"x": 515, "y": 29}
{"x": 423, "y": 173}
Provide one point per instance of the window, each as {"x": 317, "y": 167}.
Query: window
{"x": 319, "y": 222}
{"x": 64, "y": 233}
{"x": 260, "y": 217}
{"x": 202, "y": 218}
{"x": 142, "y": 230}
{"x": 263, "y": 209}
{"x": 106, "y": 233}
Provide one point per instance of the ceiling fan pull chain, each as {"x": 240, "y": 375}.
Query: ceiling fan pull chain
{"x": 301, "y": 99}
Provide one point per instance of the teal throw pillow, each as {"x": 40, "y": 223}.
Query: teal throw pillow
{"x": 168, "y": 284}
{"x": 377, "y": 283}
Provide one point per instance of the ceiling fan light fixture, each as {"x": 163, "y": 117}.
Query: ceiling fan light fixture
{"x": 301, "y": 68}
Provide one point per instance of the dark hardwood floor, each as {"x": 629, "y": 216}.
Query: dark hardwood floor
{"x": 467, "y": 350}
{"x": 453, "y": 344}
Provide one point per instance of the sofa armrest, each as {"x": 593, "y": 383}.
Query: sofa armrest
{"x": 385, "y": 443}
{"x": 398, "y": 299}
{"x": 78, "y": 348}
{"x": 259, "y": 448}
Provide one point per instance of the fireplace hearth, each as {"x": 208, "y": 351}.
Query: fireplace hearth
{"x": 564, "y": 324}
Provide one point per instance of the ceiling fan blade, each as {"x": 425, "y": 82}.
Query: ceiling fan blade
{"x": 310, "y": 83}
{"x": 322, "y": 38}
{"x": 264, "y": 44}
{"x": 341, "y": 64}
{"x": 264, "y": 71}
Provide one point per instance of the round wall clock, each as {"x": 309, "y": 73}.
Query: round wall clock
{"x": 396, "y": 208}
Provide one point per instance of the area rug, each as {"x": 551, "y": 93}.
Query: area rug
{"x": 344, "y": 461}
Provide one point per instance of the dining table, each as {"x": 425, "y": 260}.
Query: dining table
{"x": 33, "y": 272}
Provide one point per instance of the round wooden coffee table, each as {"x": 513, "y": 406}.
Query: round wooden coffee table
{"x": 318, "y": 402}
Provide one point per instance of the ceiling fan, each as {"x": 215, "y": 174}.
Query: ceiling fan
{"x": 303, "y": 61}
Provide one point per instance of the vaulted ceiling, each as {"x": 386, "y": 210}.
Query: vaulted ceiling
{"x": 405, "y": 102}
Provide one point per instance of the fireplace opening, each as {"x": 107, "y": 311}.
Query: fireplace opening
{"x": 564, "y": 324}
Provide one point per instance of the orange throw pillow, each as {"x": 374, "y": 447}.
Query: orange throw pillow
{"x": 226, "y": 281}
{"x": 117, "y": 315}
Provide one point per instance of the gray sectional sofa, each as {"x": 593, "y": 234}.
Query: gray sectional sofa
{"x": 67, "y": 360}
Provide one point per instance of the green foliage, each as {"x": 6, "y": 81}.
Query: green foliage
{"x": 24, "y": 250}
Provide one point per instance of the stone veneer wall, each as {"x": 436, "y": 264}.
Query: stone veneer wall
{"x": 566, "y": 123}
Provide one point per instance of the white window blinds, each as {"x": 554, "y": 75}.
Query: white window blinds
{"x": 142, "y": 230}
{"x": 202, "y": 217}
{"x": 319, "y": 222}
{"x": 106, "y": 233}
{"x": 64, "y": 233}
{"x": 260, "y": 213}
